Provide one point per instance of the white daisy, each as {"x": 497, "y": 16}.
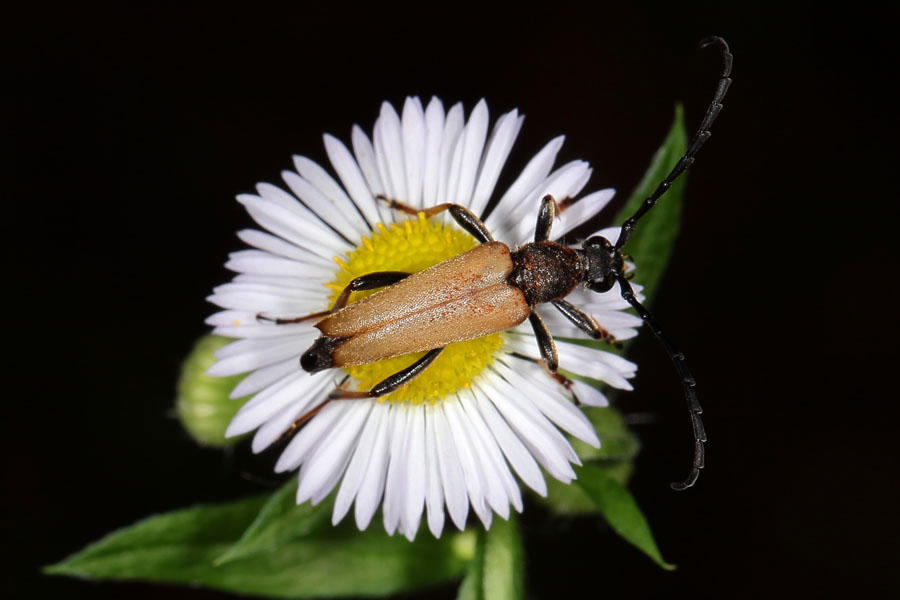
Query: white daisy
{"x": 485, "y": 411}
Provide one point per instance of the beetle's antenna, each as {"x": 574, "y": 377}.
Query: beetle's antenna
{"x": 687, "y": 381}
{"x": 700, "y": 137}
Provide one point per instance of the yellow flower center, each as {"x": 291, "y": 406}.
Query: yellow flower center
{"x": 411, "y": 246}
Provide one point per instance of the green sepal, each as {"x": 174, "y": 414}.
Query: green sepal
{"x": 203, "y": 406}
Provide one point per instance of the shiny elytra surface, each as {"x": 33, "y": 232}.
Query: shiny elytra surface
{"x": 459, "y": 299}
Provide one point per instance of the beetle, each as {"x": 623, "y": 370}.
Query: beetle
{"x": 492, "y": 288}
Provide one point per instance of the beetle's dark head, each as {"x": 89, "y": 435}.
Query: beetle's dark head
{"x": 602, "y": 263}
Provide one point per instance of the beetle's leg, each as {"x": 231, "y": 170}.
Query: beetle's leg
{"x": 561, "y": 379}
{"x": 545, "y": 342}
{"x": 583, "y": 321}
{"x": 395, "y": 381}
{"x": 370, "y": 281}
{"x": 462, "y": 215}
{"x": 687, "y": 382}
{"x": 282, "y": 321}
{"x": 546, "y": 214}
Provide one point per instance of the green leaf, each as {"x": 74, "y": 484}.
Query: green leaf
{"x": 619, "y": 509}
{"x": 651, "y": 243}
{"x": 182, "y": 547}
{"x": 281, "y": 519}
{"x": 496, "y": 571}
{"x": 203, "y": 406}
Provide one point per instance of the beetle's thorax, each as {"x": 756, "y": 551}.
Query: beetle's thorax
{"x": 545, "y": 271}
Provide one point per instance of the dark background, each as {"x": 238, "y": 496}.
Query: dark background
{"x": 127, "y": 133}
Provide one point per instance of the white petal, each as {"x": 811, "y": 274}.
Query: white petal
{"x": 263, "y": 378}
{"x": 298, "y": 390}
{"x": 388, "y": 140}
{"x": 276, "y": 245}
{"x": 581, "y": 360}
{"x": 513, "y": 449}
{"x": 581, "y": 211}
{"x": 352, "y": 178}
{"x": 434, "y": 128}
{"x": 365, "y": 157}
{"x": 413, "y": 126}
{"x": 249, "y": 354}
{"x": 547, "y": 395}
{"x": 472, "y": 144}
{"x": 453, "y": 126}
{"x": 250, "y": 298}
{"x": 451, "y": 471}
{"x": 415, "y": 471}
{"x": 434, "y": 495}
{"x": 307, "y": 440}
{"x": 244, "y": 328}
{"x": 276, "y": 426}
{"x": 552, "y": 451}
{"x": 304, "y": 231}
{"x": 362, "y": 456}
{"x": 472, "y": 473}
{"x": 334, "y": 452}
{"x": 394, "y": 498}
{"x": 565, "y": 182}
{"x": 263, "y": 263}
{"x": 332, "y": 212}
{"x": 281, "y": 281}
{"x": 497, "y": 151}
{"x": 496, "y": 469}
{"x": 535, "y": 172}
{"x": 337, "y": 198}
{"x": 588, "y": 394}
{"x": 372, "y": 486}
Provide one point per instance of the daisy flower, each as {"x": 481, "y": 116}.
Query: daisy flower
{"x": 485, "y": 412}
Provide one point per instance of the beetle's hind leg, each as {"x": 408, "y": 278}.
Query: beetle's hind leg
{"x": 462, "y": 215}
{"x": 545, "y": 342}
{"x": 583, "y": 321}
{"x": 370, "y": 281}
{"x": 394, "y": 382}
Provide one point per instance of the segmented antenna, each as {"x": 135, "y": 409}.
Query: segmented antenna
{"x": 687, "y": 380}
{"x": 700, "y": 138}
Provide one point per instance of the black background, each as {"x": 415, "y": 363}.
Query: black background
{"x": 127, "y": 133}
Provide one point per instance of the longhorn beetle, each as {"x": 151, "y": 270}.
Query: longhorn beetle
{"x": 492, "y": 288}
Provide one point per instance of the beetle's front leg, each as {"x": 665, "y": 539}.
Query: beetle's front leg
{"x": 583, "y": 321}
{"x": 545, "y": 342}
{"x": 462, "y": 215}
{"x": 394, "y": 382}
{"x": 369, "y": 281}
{"x": 545, "y": 218}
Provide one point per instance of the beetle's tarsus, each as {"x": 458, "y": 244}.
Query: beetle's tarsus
{"x": 348, "y": 395}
